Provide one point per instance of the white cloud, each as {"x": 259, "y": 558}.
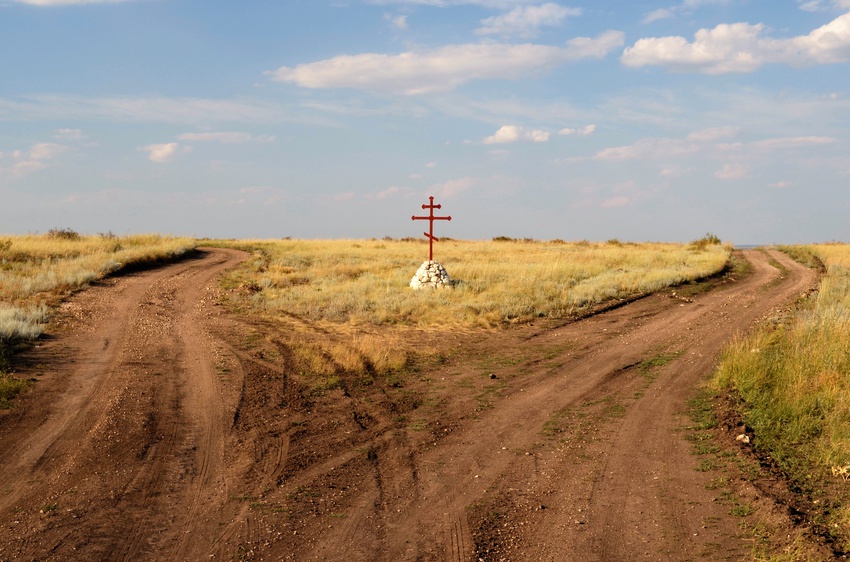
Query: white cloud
{"x": 741, "y": 47}
{"x": 585, "y": 131}
{"x": 731, "y": 172}
{"x": 507, "y": 133}
{"x": 161, "y": 153}
{"x": 444, "y": 69}
{"x": 538, "y": 136}
{"x": 526, "y": 21}
{"x": 223, "y": 137}
{"x": 513, "y": 133}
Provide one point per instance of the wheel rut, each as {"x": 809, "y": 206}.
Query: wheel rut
{"x": 160, "y": 429}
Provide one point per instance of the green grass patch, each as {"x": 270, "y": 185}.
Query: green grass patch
{"x": 10, "y": 387}
{"x": 793, "y": 379}
{"x": 648, "y": 368}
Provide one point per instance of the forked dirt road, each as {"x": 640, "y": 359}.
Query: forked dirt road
{"x": 162, "y": 428}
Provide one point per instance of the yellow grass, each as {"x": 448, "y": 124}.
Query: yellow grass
{"x": 367, "y": 281}
{"x": 35, "y": 271}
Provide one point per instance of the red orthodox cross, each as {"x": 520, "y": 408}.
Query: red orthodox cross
{"x": 431, "y": 218}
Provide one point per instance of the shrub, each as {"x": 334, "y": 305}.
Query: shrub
{"x": 63, "y": 234}
{"x": 702, "y": 243}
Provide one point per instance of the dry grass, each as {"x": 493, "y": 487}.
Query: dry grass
{"x": 495, "y": 283}
{"x": 794, "y": 379}
{"x": 36, "y": 271}
{"x": 349, "y": 317}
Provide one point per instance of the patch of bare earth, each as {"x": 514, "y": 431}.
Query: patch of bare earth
{"x": 162, "y": 428}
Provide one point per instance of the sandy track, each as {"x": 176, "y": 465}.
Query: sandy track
{"x": 156, "y": 433}
{"x": 119, "y": 453}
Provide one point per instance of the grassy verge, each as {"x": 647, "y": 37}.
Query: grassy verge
{"x": 794, "y": 383}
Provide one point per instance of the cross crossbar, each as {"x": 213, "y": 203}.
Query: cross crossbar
{"x": 431, "y": 218}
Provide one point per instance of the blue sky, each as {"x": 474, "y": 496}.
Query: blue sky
{"x": 638, "y": 120}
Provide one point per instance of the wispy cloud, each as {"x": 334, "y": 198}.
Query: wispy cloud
{"x": 443, "y": 69}
{"x": 786, "y": 143}
{"x": 69, "y": 2}
{"x": 705, "y": 140}
{"x": 713, "y": 134}
{"x": 154, "y": 109}
{"x": 46, "y": 151}
{"x": 23, "y": 163}
{"x": 453, "y": 187}
{"x": 526, "y": 21}
{"x": 69, "y": 134}
{"x": 822, "y": 5}
{"x": 686, "y": 7}
{"x": 496, "y": 4}
{"x": 223, "y": 137}
{"x": 741, "y": 47}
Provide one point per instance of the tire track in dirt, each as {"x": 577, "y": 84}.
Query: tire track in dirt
{"x": 157, "y": 433}
{"x": 630, "y": 495}
{"x": 118, "y": 452}
{"x": 648, "y": 502}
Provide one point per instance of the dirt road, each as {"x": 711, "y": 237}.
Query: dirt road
{"x": 162, "y": 428}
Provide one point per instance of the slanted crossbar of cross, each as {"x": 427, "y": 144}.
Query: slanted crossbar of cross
{"x": 431, "y": 218}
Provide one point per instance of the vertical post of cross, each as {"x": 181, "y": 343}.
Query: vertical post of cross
{"x": 431, "y": 218}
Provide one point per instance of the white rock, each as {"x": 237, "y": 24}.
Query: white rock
{"x": 431, "y": 274}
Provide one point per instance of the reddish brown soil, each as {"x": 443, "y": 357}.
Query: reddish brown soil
{"x": 163, "y": 428}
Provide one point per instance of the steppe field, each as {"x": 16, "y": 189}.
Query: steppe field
{"x": 168, "y": 398}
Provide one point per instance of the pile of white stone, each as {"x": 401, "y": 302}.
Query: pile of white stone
{"x": 431, "y": 275}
